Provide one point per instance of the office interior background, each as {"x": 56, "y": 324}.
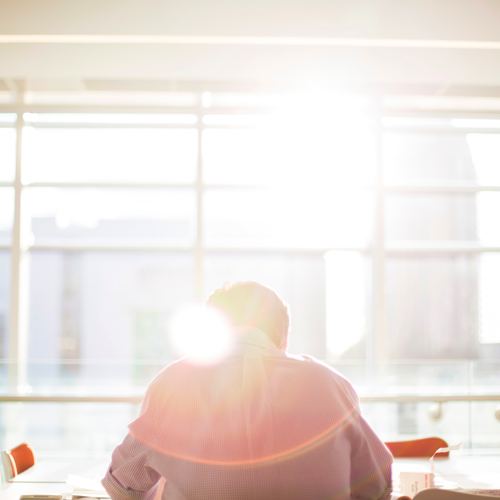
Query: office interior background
{"x": 344, "y": 153}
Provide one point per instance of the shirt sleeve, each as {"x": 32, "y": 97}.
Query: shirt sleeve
{"x": 371, "y": 461}
{"x": 129, "y": 477}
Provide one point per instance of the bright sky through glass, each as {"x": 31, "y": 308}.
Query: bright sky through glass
{"x": 109, "y": 155}
{"x": 6, "y": 208}
{"x": 485, "y": 150}
{"x": 86, "y": 208}
{"x": 8, "y": 117}
{"x": 300, "y": 217}
{"x": 345, "y": 300}
{"x": 7, "y": 153}
{"x": 314, "y": 153}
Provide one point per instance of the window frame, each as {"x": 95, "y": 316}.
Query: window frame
{"x": 378, "y": 251}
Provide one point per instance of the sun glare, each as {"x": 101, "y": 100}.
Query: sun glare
{"x": 200, "y": 333}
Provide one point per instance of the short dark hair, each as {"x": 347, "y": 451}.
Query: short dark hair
{"x": 253, "y": 304}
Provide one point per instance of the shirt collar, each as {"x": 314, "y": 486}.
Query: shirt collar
{"x": 249, "y": 339}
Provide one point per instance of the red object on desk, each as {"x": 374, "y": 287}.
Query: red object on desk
{"x": 418, "y": 448}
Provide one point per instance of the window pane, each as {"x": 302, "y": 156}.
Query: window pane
{"x": 488, "y": 209}
{"x": 6, "y": 215}
{"x": 112, "y": 216}
{"x": 489, "y": 301}
{"x": 432, "y": 307}
{"x": 485, "y": 150}
{"x": 408, "y": 377}
{"x": 424, "y": 378}
{"x": 402, "y": 421}
{"x": 300, "y": 281}
{"x": 430, "y": 157}
{"x": 240, "y": 157}
{"x": 72, "y": 429}
{"x": 7, "y": 154}
{"x": 432, "y": 217}
{"x": 303, "y": 217}
{"x": 104, "y": 306}
{"x": 109, "y": 155}
{"x": 486, "y": 374}
{"x": 5, "y": 263}
{"x": 347, "y": 276}
{"x": 485, "y": 427}
{"x": 470, "y": 217}
{"x": 289, "y": 155}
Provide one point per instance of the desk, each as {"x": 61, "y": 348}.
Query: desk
{"x": 56, "y": 471}
{"x": 469, "y": 471}
{"x": 462, "y": 470}
{"x": 12, "y": 491}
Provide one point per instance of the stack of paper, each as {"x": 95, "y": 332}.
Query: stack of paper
{"x": 85, "y": 488}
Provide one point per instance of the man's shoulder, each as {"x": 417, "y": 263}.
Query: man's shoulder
{"x": 319, "y": 371}
{"x": 311, "y": 364}
{"x": 168, "y": 375}
{"x": 299, "y": 370}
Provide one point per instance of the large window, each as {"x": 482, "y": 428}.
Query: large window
{"x": 379, "y": 228}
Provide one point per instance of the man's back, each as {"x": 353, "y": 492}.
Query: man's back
{"x": 260, "y": 425}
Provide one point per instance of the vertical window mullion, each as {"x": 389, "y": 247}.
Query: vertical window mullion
{"x": 18, "y": 328}
{"x": 199, "y": 209}
{"x": 377, "y": 351}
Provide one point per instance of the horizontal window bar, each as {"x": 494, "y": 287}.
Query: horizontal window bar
{"x": 200, "y": 111}
{"x": 166, "y": 185}
{"x": 106, "y": 185}
{"x": 402, "y": 112}
{"x": 130, "y": 109}
{"x": 338, "y": 362}
{"x": 138, "y": 399}
{"x": 411, "y": 248}
{"x": 406, "y": 188}
{"x": 111, "y": 118}
{"x": 439, "y": 188}
{"x": 73, "y": 246}
{"x": 418, "y": 247}
{"x": 84, "y": 247}
{"x": 402, "y": 129}
{"x": 59, "y": 125}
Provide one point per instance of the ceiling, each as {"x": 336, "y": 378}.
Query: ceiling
{"x": 157, "y": 66}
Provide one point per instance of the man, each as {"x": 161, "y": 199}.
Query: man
{"x": 259, "y": 425}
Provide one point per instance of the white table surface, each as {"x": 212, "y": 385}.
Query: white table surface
{"x": 56, "y": 471}
{"x": 462, "y": 470}
{"x": 12, "y": 491}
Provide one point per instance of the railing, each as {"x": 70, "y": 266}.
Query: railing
{"x": 138, "y": 399}
{"x": 84, "y": 406}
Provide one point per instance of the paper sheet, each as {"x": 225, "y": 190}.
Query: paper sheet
{"x": 443, "y": 450}
{"x": 86, "y": 488}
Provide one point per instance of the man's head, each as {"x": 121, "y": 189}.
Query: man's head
{"x": 253, "y": 304}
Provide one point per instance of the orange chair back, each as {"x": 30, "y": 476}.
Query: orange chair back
{"x": 418, "y": 448}
{"x": 23, "y": 456}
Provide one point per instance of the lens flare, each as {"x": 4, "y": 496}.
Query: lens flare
{"x": 200, "y": 333}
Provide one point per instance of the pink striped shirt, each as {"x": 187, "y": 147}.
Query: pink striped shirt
{"x": 259, "y": 425}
